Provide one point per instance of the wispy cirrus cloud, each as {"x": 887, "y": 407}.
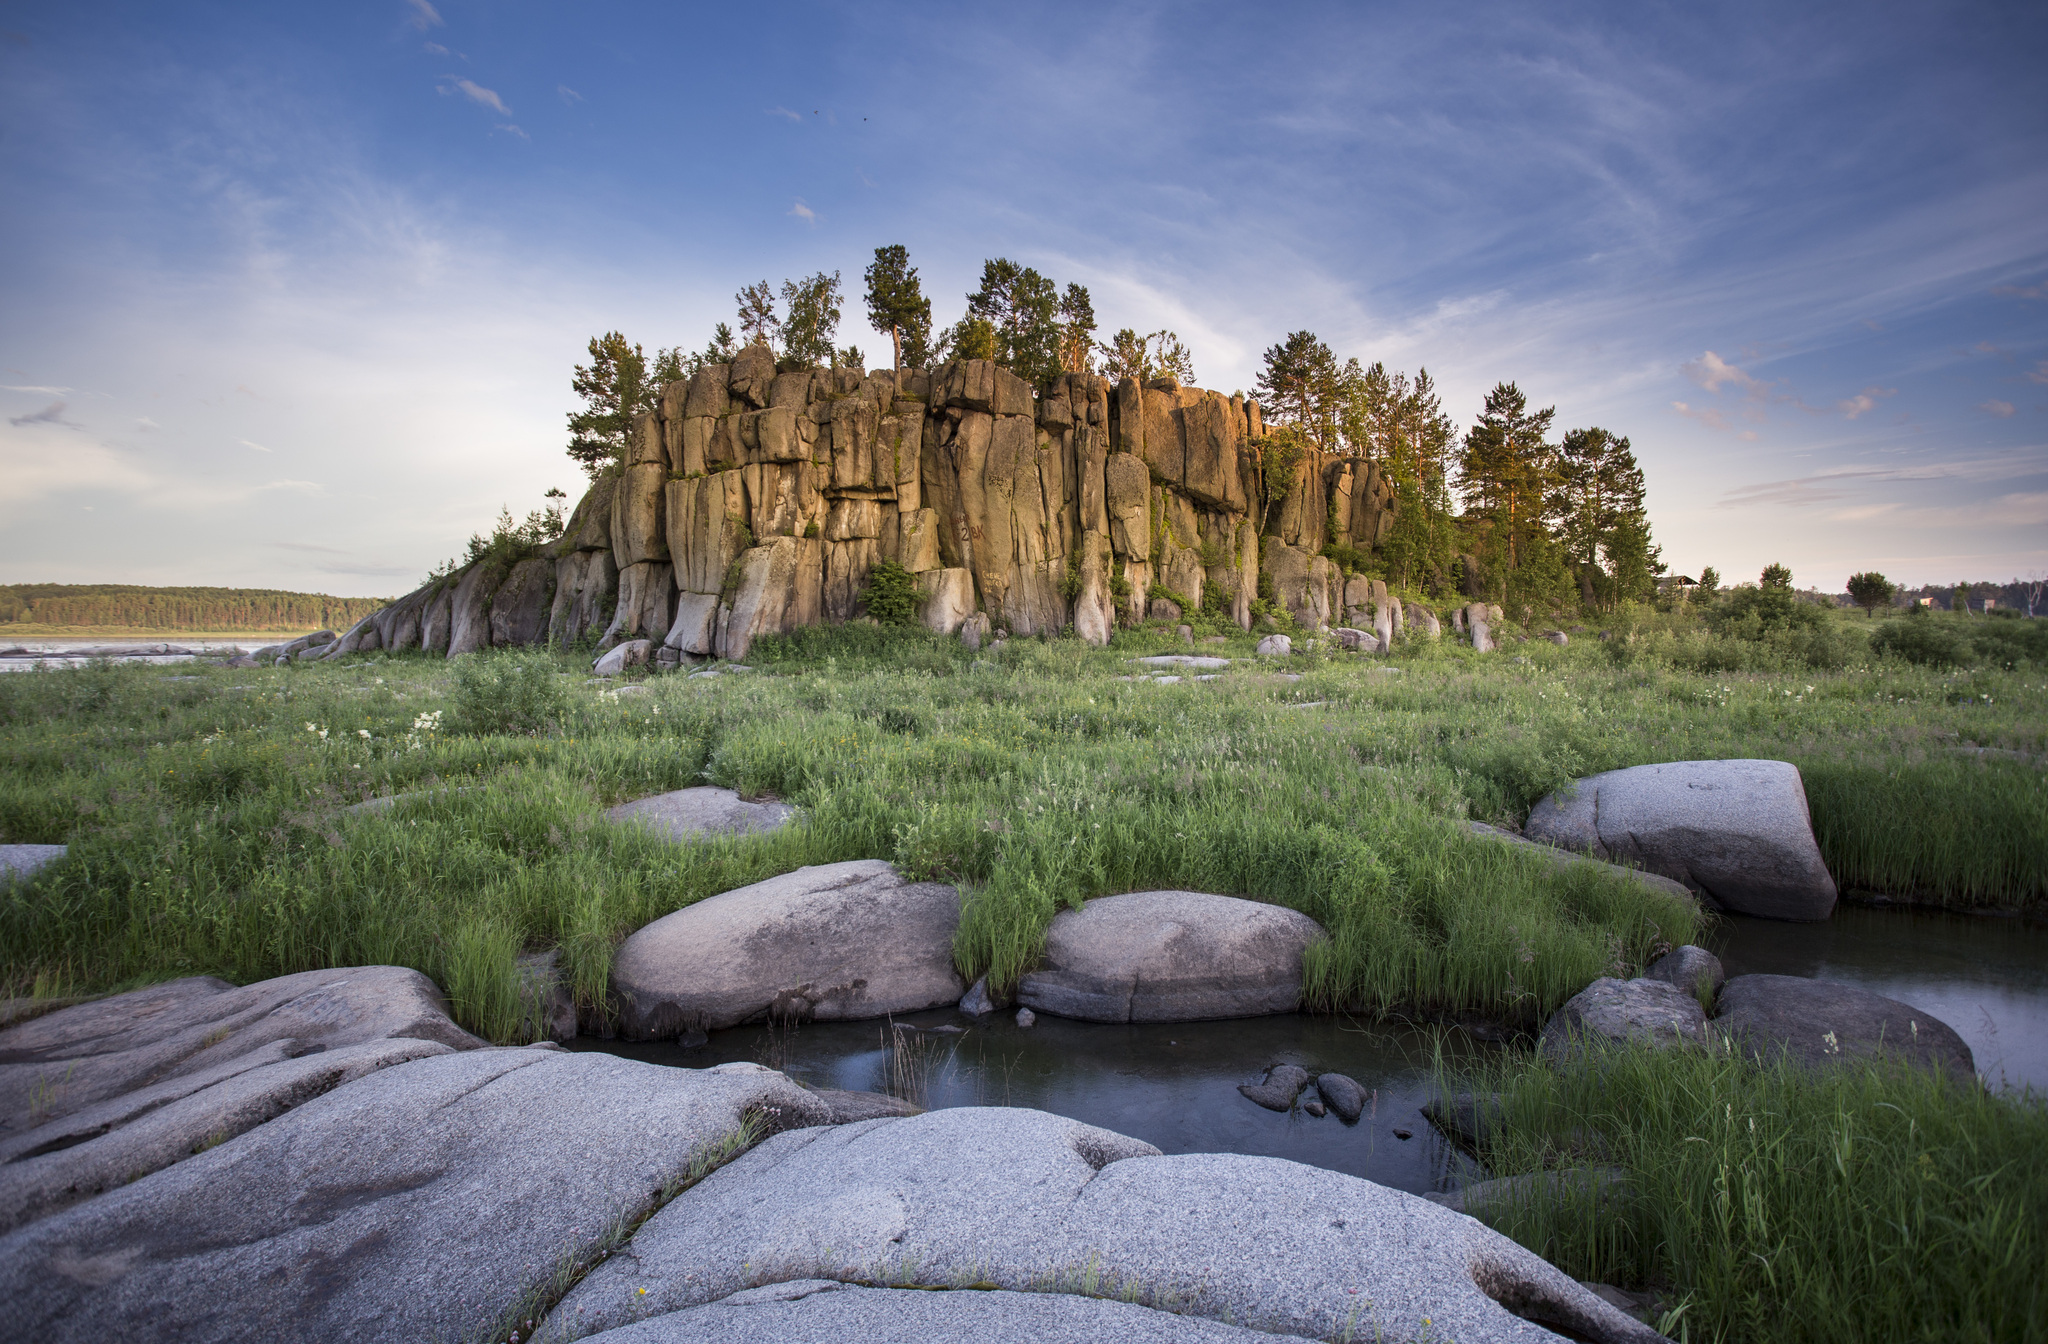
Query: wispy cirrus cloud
{"x": 1714, "y": 373}
{"x": 2039, "y": 373}
{"x": 783, "y": 112}
{"x": 476, "y": 93}
{"x": 2002, "y": 409}
{"x": 424, "y": 16}
{"x": 805, "y": 213}
{"x": 1863, "y": 402}
{"x": 2022, "y": 291}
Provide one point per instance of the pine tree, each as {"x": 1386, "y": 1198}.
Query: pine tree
{"x": 615, "y": 387}
{"x": 1143, "y": 358}
{"x": 896, "y": 304}
{"x": 1303, "y": 386}
{"x": 1505, "y": 472}
{"x": 1024, "y": 308}
{"x": 1077, "y": 331}
{"x": 1596, "y": 503}
{"x": 758, "y": 322}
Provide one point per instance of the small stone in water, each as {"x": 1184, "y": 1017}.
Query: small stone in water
{"x": 1403, "y": 1134}
{"x": 1314, "y": 1106}
{"x": 1025, "y": 1017}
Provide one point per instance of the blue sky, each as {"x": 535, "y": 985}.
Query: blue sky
{"x": 292, "y": 292}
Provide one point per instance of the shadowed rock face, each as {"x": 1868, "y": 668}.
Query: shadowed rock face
{"x": 837, "y": 942}
{"x": 1615, "y": 1012}
{"x": 754, "y": 502}
{"x": 1737, "y": 832}
{"x": 1025, "y": 1201}
{"x": 1818, "y": 1022}
{"x": 420, "y": 1202}
{"x": 1170, "y": 956}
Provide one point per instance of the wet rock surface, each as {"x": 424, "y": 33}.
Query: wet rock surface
{"x": 1279, "y": 1088}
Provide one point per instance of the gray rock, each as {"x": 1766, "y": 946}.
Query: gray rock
{"x": 977, "y": 1002}
{"x": 1026, "y": 1018}
{"x": 837, "y": 942}
{"x": 19, "y": 863}
{"x": 55, "y": 1165}
{"x": 1564, "y": 859}
{"x": 1187, "y": 634}
{"x": 1636, "y": 1012}
{"x": 1023, "y": 1200}
{"x": 1737, "y": 831}
{"x": 1278, "y": 1090}
{"x": 1343, "y": 1094}
{"x": 1275, "y": 646}
{"x": 1686, "y": 967}
{"x": 1480, "y": 622}
{"x": 1170, "y": 956}
{"x": 56, "y": 1065}
{"x": 1604, "y": 1186}
{"x": 630, "y": 654}
{"x": 1465, "y": 1118}
{"x": 420, "y": 1202}
{"x": 1557, "y": 637}
{"x": 1198, "y": 661}
{"x": 823, "y": 1311}
{"x": 689, "y": 814}
{"x": 1818, "y": 1022}
{"x": 974, "y": 631}
{"x": 1353, "y": 640}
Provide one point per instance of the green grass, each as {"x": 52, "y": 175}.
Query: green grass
{"x": 1870, "y": 1203}
{"x": 208, "y": 832}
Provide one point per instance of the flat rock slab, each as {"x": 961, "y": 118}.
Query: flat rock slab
{"x": 1563, "y": 860}
{"x": 421, "y": 1202}
{"x": 824, "y": 1311}
{"x": 18, "y": 863}
{"x": 1818, "y": 1022}
{"x": 1625, "y": 1012}
{"x": 689, "y": 814}
{"x": 1025, "y": 1201}
{"x": 838, "y": 942}
{"x": 1170, "y": 956}
{"x": 1736, "y": 831}
{"x": 1198, "y": 661}
{"x": 55, "y": 1065}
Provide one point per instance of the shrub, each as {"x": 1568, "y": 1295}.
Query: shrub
{"x": 512, "y": 694}
{"x": 891, "y": 594}
{"x": 1923, "y": 640}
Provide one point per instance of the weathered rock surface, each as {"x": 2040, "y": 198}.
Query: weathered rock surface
{"x": 1275, "y": 646}
{"x": 1636, "y": 1012}
{"x": 1279, "y": 1088}
{"x": 823, "y": 1311}
{"x": 618, "y": 661}
{"x": 689, "y": 814}
{"x": 1603, "y": 1186}
{"x": 1343, "y": 1094}
{"x": 419, "y": 1202}
{"x": 1818, "y": 1022}
{"x": 1023, "y": 1200}
{"x": 837, "y": 942}
{"x": 1564, "y": 859}
{"x": 64, "y": 1062}
{"x": 1736, "y": 831}
{"x": 1170, "y": 956}
{"x": 1689, "y": 968}
{"x": 18, "y": 863}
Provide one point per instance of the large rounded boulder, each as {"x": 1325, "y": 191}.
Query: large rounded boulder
{"x": 1625, "y": 1012}
{"x": 1170, "y": 956}
{"x": 1815, "y": 1023}
{"x": 838, "y": 942}
{"x": 1738, "y": 832}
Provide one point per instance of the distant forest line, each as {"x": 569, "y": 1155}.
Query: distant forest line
{"x": 132, "y": 606}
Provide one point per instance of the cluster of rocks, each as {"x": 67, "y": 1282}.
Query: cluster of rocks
{"x": 1284, "y": 1085}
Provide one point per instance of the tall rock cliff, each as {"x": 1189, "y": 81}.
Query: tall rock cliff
{"x": 756, "y": 501}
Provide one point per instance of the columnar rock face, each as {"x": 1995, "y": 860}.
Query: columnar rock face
{"x": 754, "y": 501}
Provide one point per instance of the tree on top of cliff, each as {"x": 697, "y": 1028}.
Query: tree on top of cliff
{"x": 1024, "y": 308}
{"x": 1077, "y": 330}
{"x": 897, "y": 305}
{"x": 812, "y": 320}
{"x": 758, "y": 322}
{"x": 1129, "y": 355}
{"x": 615, "y": 386}
{"x": 1303, "y": 385}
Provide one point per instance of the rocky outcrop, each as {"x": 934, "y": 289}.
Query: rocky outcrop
{"x": 754, "y": 501}
{"x": 1815, "y": 1023}
{"x": 837, "y": 942}
{"x": 1693, "y": 969}
{"x": 1023, "y": 1201}
{"x": 1625, "y": 1012}
{"x": 1170, "y": 956}
{"x": 424, "y": 1201}
{"x": 1737, "y": 832}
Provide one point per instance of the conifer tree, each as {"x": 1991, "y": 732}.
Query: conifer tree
{"x": 897, "y": 304}
{"x": 615, "y": 386}
{"x": 1505, "y": 473}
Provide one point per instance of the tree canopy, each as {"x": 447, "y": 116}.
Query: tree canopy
{"x": 897, "y": 305}
{"x": 617, "y": 385}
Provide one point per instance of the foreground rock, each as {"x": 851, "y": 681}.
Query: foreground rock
{"x": 1342, "y": 1094}
{"x": 823, "y": 1311}
{"x": 1601, "y": 1186}
{"x": 1170, "y": 956}
{"x": 1818, "y": 1022}
{"x": 421, "y": 1202}
{"x": 1625, "y": 1012}
{"x": 1736, "y": 831}
{"x": 690, "y": 814}
{"x": 1563, "y": 860}
{"x": 19, "y": 863}
{"x": 618, "y": 661}
{"x": 1693, "y": 969}
{"x": 836, "y": 942}
{"x": 1025, "y": 1201}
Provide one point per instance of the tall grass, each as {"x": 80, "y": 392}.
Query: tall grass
{"x": 1872, "y": 1202}
{"x": 209, "y": 833}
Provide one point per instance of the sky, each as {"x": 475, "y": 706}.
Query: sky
{"x": 292, "y": 293}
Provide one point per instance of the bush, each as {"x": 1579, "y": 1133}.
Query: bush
{"x": 510, "y": 694}
{"x": 1924, "y": 640}
{"x": 891, "y": 594}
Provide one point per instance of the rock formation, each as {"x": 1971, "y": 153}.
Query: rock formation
{"x": 755, "y": 501}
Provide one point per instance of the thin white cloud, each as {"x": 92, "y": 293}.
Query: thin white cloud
{"x": 257, "y": 446}
{"x": 52, "y": 414}
{"x": 477, "y": 93}
{"x": 2002, "y": 409}
{"x": 2023, "y": 292}
{"x": 1714, "y": 373}
{"x": 512, "y": 128}
{"x": 45, "y": 391}
{"x": 1863, "y": 401}
{"x": 783, "y": 112}
{"x": 435, "y": 49}
{"x": 146, "y": 424}
{"x": 2039, "y": 373}
{"x": 424, "y": 15}
{"x": 568, "y": 95}
{"x": 805, "y": 213}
